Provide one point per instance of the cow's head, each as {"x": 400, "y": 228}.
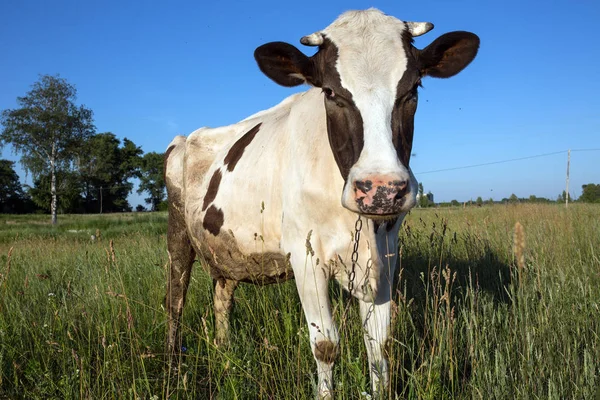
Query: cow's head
{"x": 370, "y": 74}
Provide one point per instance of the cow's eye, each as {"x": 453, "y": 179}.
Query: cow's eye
{"x": 329, "y": 93}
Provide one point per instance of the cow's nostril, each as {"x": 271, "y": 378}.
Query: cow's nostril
{"x": 402, "y": 187}
{"x": 364, "y": 186}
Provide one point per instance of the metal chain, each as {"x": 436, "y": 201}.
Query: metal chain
{"x": 352, "y": 274}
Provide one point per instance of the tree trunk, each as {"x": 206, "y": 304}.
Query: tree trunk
{"x": 53, "y": 186}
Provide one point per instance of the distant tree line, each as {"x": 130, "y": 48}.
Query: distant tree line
{"x": 590, "y": 194}
{"x": 74, "y": 169}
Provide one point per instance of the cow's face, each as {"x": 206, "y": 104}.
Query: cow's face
{"x": 370, "y": 73}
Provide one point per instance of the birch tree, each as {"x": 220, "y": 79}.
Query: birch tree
{"x": 47, "y": 129}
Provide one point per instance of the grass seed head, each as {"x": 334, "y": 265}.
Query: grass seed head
{"x": 519, "y": 245}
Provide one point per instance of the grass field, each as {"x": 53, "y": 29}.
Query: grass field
{"x": 82, "y": 319}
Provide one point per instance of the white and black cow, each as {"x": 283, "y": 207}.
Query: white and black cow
{"x": 243, "y": 198}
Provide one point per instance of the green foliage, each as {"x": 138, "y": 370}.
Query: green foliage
{"x": 105, "y": 168}
{"x": 163, "y": 205}
{"x": 68, "y": 190}
{"x": 99, "y": 181}
{"x": 479, "y": 201}
{"x": 11, "y": 192}
{"x": 84, "y": 319}
{"x": 535, "y": 199}
{"x": 152, "y": 179}
{"x": 422, "y": 200}
{"x": 590, "y": 194}
{"x": 513, "y": 199}
{"x": 562, "y": 197}
{"x": 47, "y": 129}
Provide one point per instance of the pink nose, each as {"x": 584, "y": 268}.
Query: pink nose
{"x": 380, "y": 195}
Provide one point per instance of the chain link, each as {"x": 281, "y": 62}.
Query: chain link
{"x": 354, "y": 258}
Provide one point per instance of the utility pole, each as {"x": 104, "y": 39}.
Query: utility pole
{"x": 567, "y": 193}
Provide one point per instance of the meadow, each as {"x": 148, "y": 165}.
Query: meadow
{"x": 477, "y": 314}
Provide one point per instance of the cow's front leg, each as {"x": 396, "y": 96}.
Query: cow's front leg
{"x": 376, "y": 327}
{"x": 311, "y": 282}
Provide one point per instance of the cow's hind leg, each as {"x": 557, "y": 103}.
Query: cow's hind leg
{"x": 223, "y": 303}
{"x": 181, "y": 258}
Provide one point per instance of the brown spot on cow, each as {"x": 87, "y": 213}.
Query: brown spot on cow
{"x": 213, "y": 220}
{"x": 326, "y": 351}
{"x": 213, "y": 188}
{"x": 223, "y": 259}
{"x": 235, "y": 152}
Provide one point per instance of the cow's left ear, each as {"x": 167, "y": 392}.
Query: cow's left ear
{"x": 284, "y": 64}
{"x": 449, "y": 54}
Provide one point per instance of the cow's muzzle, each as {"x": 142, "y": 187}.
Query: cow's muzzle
{"x": 380, "y": 195}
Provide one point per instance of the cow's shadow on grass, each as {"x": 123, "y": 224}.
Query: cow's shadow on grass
{"x": 485, "y": 273}
{"x": 464, "y": 268}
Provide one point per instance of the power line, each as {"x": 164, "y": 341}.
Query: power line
{"x": 498, "y": 162}
{"x": 586, "y": 149}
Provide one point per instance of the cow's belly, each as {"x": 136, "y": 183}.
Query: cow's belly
{"x": 222, "y": 258}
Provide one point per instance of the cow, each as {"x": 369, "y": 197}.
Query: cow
{"x": 314, "y": 188}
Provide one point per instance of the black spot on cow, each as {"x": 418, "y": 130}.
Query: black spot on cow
{"x": 213, "y": 220}
{"x": 213, "y": 189}
{"x": 344, "y": 121}
{"x": 285, "y": 64}
{"x": 405, "y": 107}
{"x": 237, "y": 150}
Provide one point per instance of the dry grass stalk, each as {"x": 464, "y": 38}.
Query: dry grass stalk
{"x": 112, "y": 251}
{"x": 7, "y": 269}
{"x": 519, "y": 248}
{"x": 4, "y": 278}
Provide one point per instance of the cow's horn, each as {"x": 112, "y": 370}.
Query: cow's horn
{"x": 314, "y": 39}
{"x": 419, "y": 28}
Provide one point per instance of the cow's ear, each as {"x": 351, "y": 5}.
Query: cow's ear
{"x": 449, "y": 54}
{"x": 284, "y": 64}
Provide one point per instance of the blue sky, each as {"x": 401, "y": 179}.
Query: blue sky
{"x": 151, "y": 70}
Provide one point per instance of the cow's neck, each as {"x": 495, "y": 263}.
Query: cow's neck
{"x": 318, "y": 185}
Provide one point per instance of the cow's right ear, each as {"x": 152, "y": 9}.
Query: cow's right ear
{"x": 285, "y": 64}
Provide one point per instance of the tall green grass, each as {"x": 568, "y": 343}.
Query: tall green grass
{"x": 84, "y": 319}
